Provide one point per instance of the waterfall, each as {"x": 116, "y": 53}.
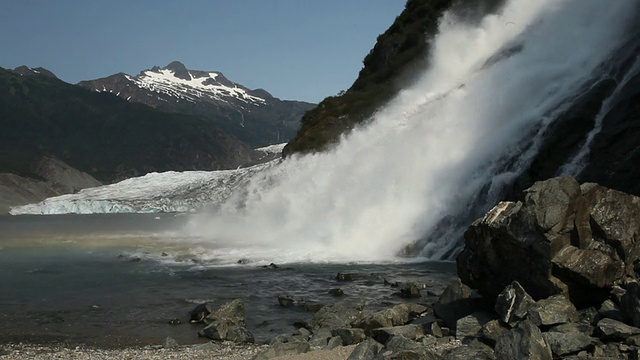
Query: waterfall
{"x": 444, "y": 147}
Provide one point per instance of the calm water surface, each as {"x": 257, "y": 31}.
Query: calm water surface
{"x": 119, "y": 279}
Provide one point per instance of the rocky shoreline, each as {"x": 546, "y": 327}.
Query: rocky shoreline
{"x": 551, "y": 276}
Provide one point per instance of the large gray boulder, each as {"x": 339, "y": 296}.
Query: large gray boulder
{"x": 552, "y": 311}
{"x": 228, "y": 323}
{"x": 524, "y": 342}
{"x": 561, "y": 238}
{"x": 397, "y": 315}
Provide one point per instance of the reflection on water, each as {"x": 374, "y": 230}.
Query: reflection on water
{"x": 120, "y": 279}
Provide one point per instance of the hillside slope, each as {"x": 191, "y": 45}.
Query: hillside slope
{"x": 103, "y": 135}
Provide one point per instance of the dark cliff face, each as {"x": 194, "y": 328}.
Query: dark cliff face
{"x": 103, "y": 135}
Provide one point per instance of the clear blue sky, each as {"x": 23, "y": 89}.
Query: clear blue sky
{"x": 295, "y": 49}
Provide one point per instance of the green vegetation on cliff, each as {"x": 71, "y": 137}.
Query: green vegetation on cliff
{"x": 397, "y": 56}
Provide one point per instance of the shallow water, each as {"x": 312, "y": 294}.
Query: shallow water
{"x": 119, "y": 279}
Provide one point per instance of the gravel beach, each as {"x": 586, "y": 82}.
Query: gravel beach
{"x": 226, "y": 350}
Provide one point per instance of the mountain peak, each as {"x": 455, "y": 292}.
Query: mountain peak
{"x": 39, "y": 71}
{"x": 180, "y": 71}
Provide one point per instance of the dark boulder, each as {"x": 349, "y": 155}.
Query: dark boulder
{"x": 630, "y": 302}
{"x": 513, "y": 303}
{"x": 349, "y": 336}
{"x": 366, "y": 350}
{"x": 382, "y": 335}
{"x": 561, "y": 238}
{"x": 228, "y": 323}
{"x": 200, "y": 312}
{"x": 290, "y": 301}
{"x": 471, "y": 325}
{"x": 563, "y": 344}
{"x": 613, "y": 330}
{"x": 552, "y": 311}
{"x": 340, "y": 315}
{"x": 522, "y": 343}
{"x": 457, "y": 301}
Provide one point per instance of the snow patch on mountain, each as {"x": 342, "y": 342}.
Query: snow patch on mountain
{"x": 200, "y": 86}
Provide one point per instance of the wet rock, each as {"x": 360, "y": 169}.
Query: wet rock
{"x": 283, "y": 349}
{"x": 513, "y": 303}
{"x": 200, "y": 312}
{"x": 239, "y": 335}
{"x": 349, "y": 336}
{"x": 344, "y": 277}
{"x": 232, "y": 312}
{"x": 553, "y": 310}
{"x": 523, "y": 342}
{"x": 290, "y": 301}
{"x": 336, "y": 292}
{"x": 563, "y": 344}
{"x": 382, "y": 335}
{"x": 410, "y": 291}
{"x": 613, "y": 330}
{"x": 366, "y": 350}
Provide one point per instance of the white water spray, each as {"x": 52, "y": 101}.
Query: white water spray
{"x": 488, "y": 94}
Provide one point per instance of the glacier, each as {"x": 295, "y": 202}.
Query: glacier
{"x": 171, "y": 191}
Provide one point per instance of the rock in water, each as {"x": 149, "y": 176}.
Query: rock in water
{"x": 562, "y": 238}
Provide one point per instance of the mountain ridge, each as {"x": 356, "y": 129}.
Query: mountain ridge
{"x": 253, "y": 116}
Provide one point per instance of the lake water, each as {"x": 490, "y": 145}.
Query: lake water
{"x": 120, "y": 279}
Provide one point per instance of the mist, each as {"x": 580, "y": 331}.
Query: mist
{"x": 443, "y": 147}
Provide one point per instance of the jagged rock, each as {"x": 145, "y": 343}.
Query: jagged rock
{"x": 397, "y": 315}
{"x": 613, "y": 330}
{"x": 342, "y": 314}
{"x": 633, "y": 340}
{"x": 471, "y": 325}
{"x": 610, "y": 310}
{"x": 382, "y": 335}
{"x": 522, "y": 343}
{"x": 491, "y": 331}
{"x": 410, "y": 291}
{"x": 399, "y": 347}
{"x": 349, "y": 336}
{"x": 456, "y": 301}
{"x": 290, "y": 301}
{"x": 468, "y": 353}
{"x": 567, "y": 343}
{"x": 366, "y": 350}
{"x": 562, "y": 238}
{"x": 228, "y": 323}
{"x": 282, "y": 349}
{"x": 553, "y": 310}
{"x": 304, "y": 333}
{"x": 513, "y": 303}
{"x": 433, "y": 329}
{"x": 333, "y": 343}
{"x": 583, "y": 328}
{"x": 200, "y": 312}
{"x": 320, "y": 337}
{"x": 630, "y": 302}
{"x": 232, "y": 312}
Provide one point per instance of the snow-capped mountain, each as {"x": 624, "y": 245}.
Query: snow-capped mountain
{"x": 253, "y": 116}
